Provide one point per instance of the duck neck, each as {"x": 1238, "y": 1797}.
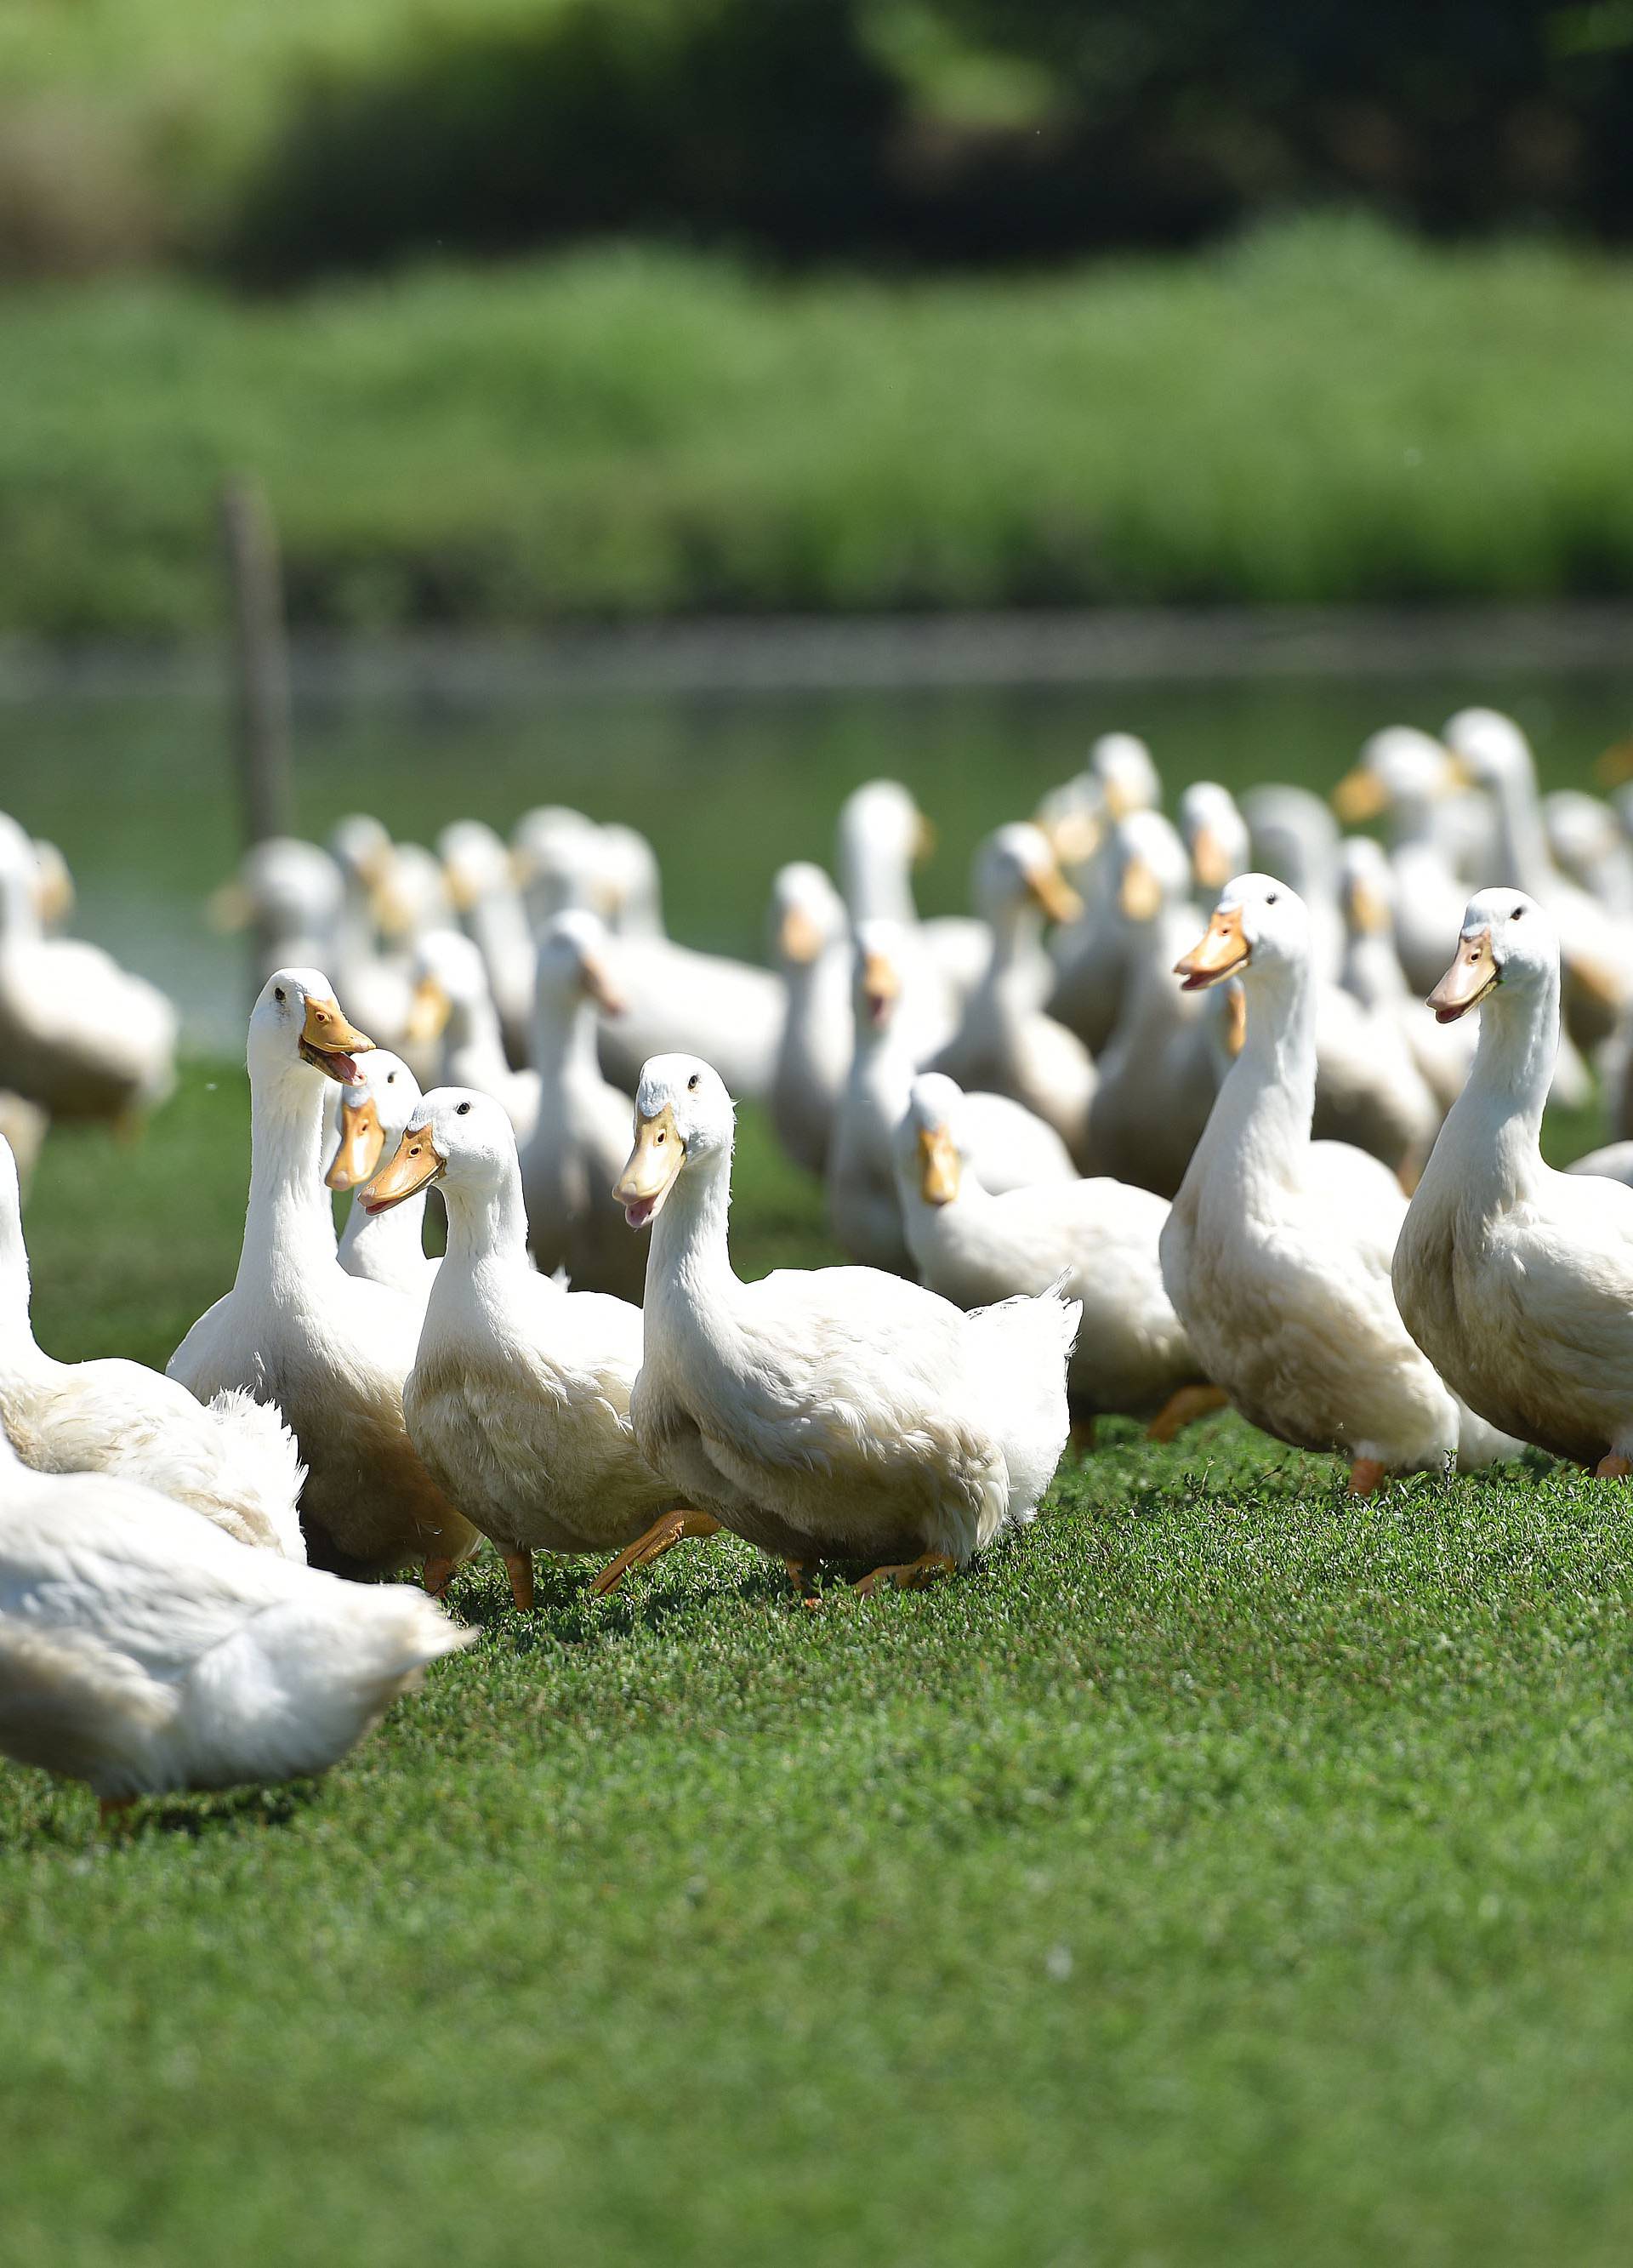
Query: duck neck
{"x": 690, "y": 1264}
{"x": 1493, "y": 1129}
{"x": 1262, "y": 1119}
{"x": 476, "y": 1043}
{"x": 884, "y": 1065}
{"x": 289, "y": 1220}
{"x": 564, "y": 1040}
{"x": 17, "y": 1350}
{"x": 878, "y": 886}
{"x": 384, "y": 1243}
{"x": 1521, "y": 844}
{"x": 487, "y": 1231}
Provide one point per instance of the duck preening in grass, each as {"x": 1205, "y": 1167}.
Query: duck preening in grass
{"x": 835, "y": 1413}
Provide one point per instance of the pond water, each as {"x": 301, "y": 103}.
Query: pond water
{"x": 137, "y": 784}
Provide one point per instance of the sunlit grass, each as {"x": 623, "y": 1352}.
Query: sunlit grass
{"x": 1223, "y": 1872}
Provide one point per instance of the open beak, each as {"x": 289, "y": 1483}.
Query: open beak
{"x": 229, "y": 907}
{"x": 1054, "y": 894}
{"x": 328, "y": 1042}
{"x": 428, "y": 1011}
{"x": 799, "y": 940}
{"x": 417, "y": 1162}
{"x": 361, "y": 1138}
{"x": 1210, "y": 860}
{"x": 654, "y": 1167}
{"x": 880, "y": 986}
{"x": 1222, "y": 951}
{"x": 1472, "y": 975}
{"x": 938, "y": 1166}
{"x": 1360, "y": 796}
{"x": 1139, "y": 894}
{"x": 593, "y": 976}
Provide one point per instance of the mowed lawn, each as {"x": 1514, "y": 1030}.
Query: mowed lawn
{"x": 1225, "y": 1872}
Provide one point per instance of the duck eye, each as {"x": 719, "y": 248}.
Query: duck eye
{"x": 692, "y": 1082}
{"x": 1271, "y": 897}
{"x": 660, "y": 1138}
{"x": 461, "y": 1109}
{"x": 280, "y": 994}
{"x": 1518, "y": 911}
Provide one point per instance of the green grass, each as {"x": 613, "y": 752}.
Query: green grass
{"x": 1223, "y": 1872}
{"x": 1323, "y": 413}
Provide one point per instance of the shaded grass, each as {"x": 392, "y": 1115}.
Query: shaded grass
{"x": 1327, "y": 412}
{"x": 1223, "y": 1872}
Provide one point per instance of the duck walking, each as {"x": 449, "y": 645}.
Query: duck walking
{"x": 835, "y": 1413}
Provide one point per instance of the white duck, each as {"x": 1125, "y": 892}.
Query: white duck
{"x": 78, "y": 1035}
{"x": 1005, "y": 1043}
{"x": 1276, "y": 1252}
{"x": 235, "y": 1461}
{"x": 290, "y": 897}
{"x": 1131, "y": 1355}
{"x": 1157, "y": 1072}
{"x": 1517, "y": 1281}
{"x": 519, "y": 1400}
{"x": 1294, "y": 837}
{"x": 1586, "y": 843}
{"x": 1594, "y": 944}
{"x": 1122, "y": 780}
{"x": 838, "y": 1413}
{"x": 1012, "y": 1149}
{"x": 1215, "y": 835}
{"x": 331, "y": 1350}
{"x": 481, "y": 878}
{"x": 371, "y": 1113}
{"x": 673, "y": 995}
{"x": 141, "y": 1650}
{"x": 374, "y": 975}
{"x": 582, "y": 1132}
{"x": 810, "y": 944}
{"x": 1406, "y": 778}
{"x": 1373, "y": 974}
{"x": 881, "y": 836}
{"x": 453, "y": 1009}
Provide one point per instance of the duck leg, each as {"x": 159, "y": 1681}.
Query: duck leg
{"x": 519, "y": 1567}
{"x": 1367, "y": 1476}
{"x": 802, "y": 1575}
{"x": 912, "y": 1576}
{"x": 438, "y": 1574}
{"x": 1615, "y": 1467}
{"x": 1183, "y": 1408}
{"x": 663, "y": 1533}
{"x": 1082, "y": 1436}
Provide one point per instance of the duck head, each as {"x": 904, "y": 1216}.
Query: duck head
{"x": 1506, "y": 940}
{"x": 683, "y": 1117}
{"x": 574, "y": 964}
{"x": 930, "y": 1160}
{"x": 454, "y": 1135}
{"x": 1214, "y": 833}
{"x": 1016, "y": 869}
{"x": 449, "y": 974}
{"x": 371, "y": 1113}
{"x": 296, "y": 1020}
{"x": 1258, "y": 924}
{"x": 807, "y": 915}
{"x": 1148, "y": 868}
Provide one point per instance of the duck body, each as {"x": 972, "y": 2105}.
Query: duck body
{"x": 1517, "y": 1280}
{"x": 519, "y": 1400}
{"x": 141, "y": 1650}
{"x": 235, "y": 1461}
{"x": 1101, "y": 1236}
{"x": 1278, "y": 1265}
{"x": 79, "y": 1035}
{"x": 331, "y": 1350}
{"x": 839, "y": 1413}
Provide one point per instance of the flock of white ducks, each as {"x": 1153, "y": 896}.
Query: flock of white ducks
{"x": 1080, "y": 1144}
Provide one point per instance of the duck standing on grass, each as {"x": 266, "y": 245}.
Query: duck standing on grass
{"x": 1515, "y": 1281}
{"x": 835, "y": 1413}
{"x": 1277, "y": 1252}
{"x": 518, "y": 1399}
{"x": 333, "y": 1350}
{"x": 1132, "y": 1356}
{"x": 141, "y": 1650}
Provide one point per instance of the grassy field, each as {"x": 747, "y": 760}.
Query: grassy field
{"x": 1322, "y": 413}
{"x": 1224, "y": 1873}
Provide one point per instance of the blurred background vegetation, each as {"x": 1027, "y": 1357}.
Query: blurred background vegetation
{"x": 540, "y": 308}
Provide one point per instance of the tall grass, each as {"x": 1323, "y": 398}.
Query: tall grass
{"x": 1324, "y": 412}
